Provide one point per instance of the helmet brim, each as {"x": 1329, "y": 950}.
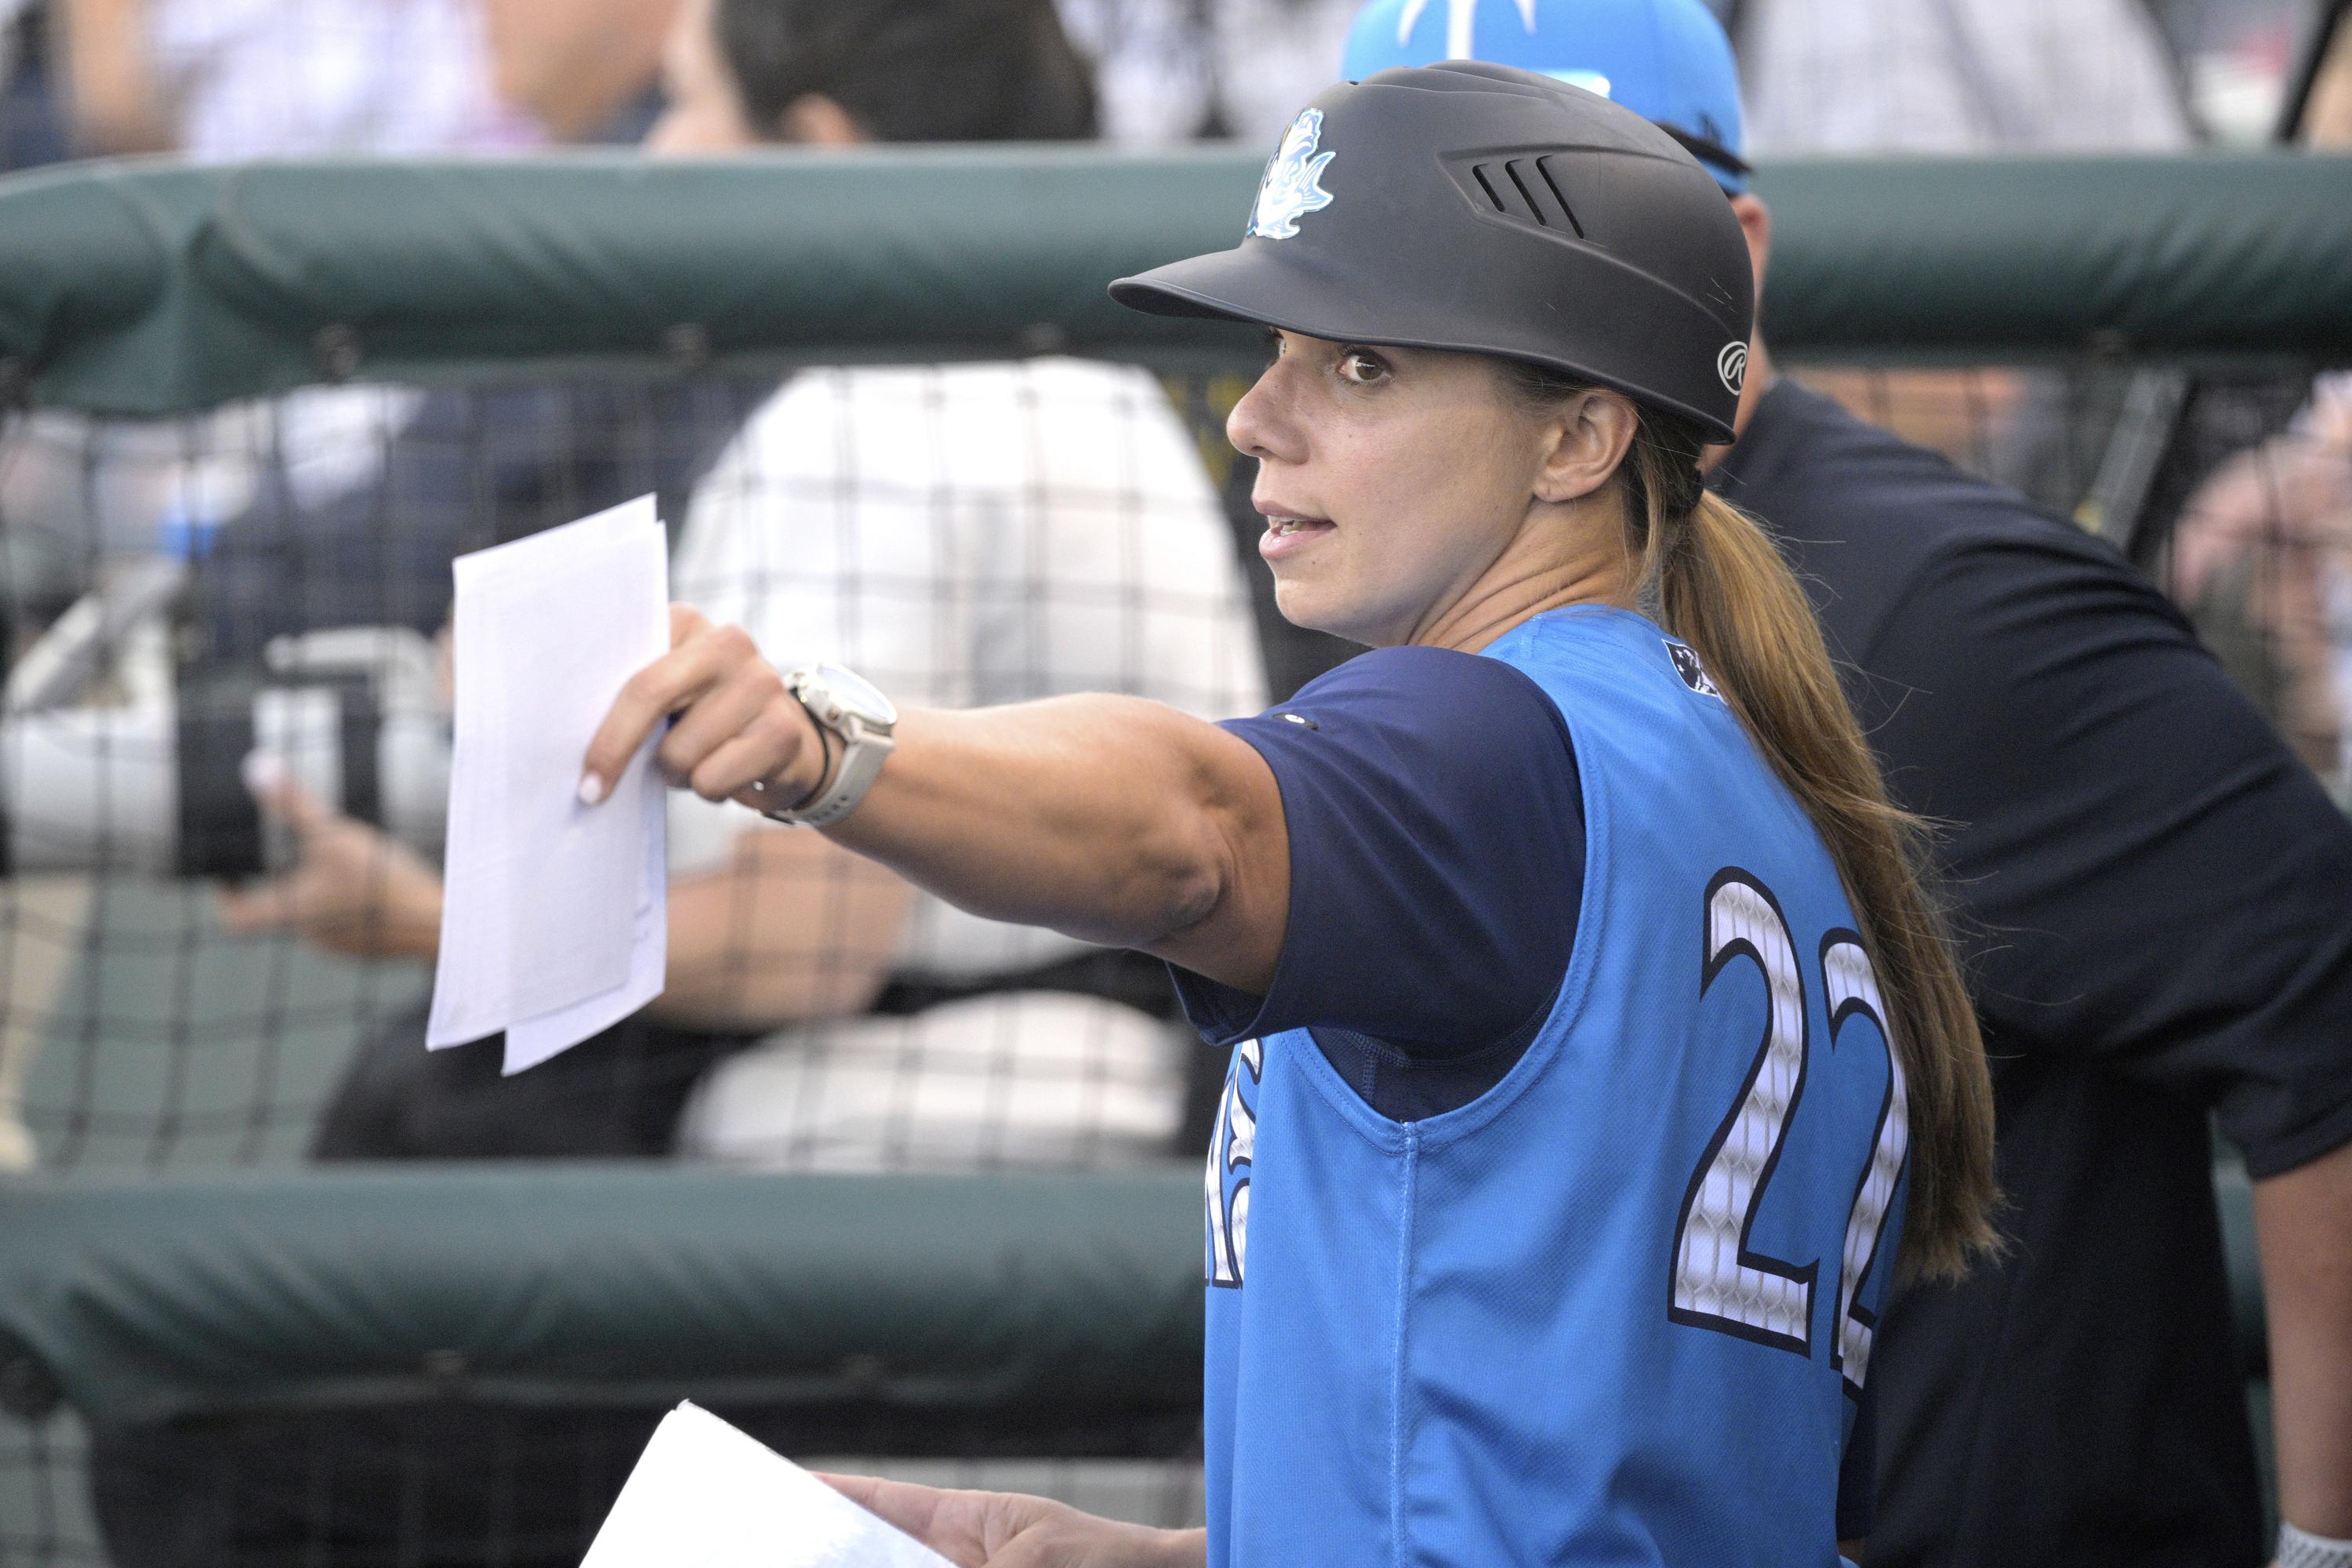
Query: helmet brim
{"x": 1266, "y": 284}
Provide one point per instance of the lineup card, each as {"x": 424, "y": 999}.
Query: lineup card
{"x": 555, "y": 920}
{"x": 704, "y": 1495}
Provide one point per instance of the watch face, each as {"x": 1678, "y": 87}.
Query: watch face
{"x": 857, "y": 695}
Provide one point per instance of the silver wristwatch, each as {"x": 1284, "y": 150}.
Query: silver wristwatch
{"x": 848, "y": 706}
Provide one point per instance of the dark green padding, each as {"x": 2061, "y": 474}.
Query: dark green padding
{"x": 151, "y": 1298}
{"x": 147, "y": 1298}
{"x": 143, "y": 287}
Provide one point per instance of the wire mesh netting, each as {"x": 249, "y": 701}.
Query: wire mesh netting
{"x": 272, "y": 581}
{"x": 456, "y": 1484}
{"x": 187, "y": 598}
{"x": 196, "y": 979}
{"x": 194, "y": 982}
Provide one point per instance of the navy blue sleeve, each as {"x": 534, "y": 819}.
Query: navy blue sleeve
{"x": 1436, "y": 827}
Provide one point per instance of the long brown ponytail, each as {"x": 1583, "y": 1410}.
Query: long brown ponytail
{"x": 1708, "y": 574}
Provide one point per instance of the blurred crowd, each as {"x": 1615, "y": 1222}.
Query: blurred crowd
{"x": 235, "y": 79}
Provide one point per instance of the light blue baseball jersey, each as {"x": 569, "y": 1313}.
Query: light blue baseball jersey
{"x": 1617, "y": 1308}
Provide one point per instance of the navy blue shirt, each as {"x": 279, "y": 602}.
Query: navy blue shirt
{"x": 1436, "y": 826}
{"x": 2157, "y": 898}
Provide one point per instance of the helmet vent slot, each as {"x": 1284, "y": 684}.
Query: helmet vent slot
{"x": 1524, "y": 189}
{"x": 1478, "y": 173}
{"x": 1519, "y": 182}
{"x": 1543, "y": 168}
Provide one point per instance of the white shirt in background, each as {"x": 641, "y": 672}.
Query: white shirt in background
{"x": 1956, "y": 75}
{"x": 300, "y": 79}
{"x": 963, "y": 536}
{"x": 1821, "y": 75}
{"x": 1162, "y": 65}
{"x": 257, "y": 79}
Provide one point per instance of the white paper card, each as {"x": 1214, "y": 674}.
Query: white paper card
{"x": 554, "y": 919}
{"x": 704, "y": 1495}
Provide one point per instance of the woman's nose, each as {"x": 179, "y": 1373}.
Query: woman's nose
{"x": 1262, "y": 425}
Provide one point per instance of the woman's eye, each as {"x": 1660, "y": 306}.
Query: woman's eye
{"x": 1362, "y": 368}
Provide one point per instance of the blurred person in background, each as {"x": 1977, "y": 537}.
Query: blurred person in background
{"x": 224, "y": 79}
{"x": 1177, "y": 70}
{"x": 1833, "y": 77}
{"x": 1821, "y": 75}
{"x": 2263, "y": 553}
{"x": 1051, "y": 531}
{"x": 31, "y": 132}
{"x": 2161, "y": 935}
{"x": 1957, "y": 76}
{"x": 334, "y": 505}
{"x": 976, "y": 534}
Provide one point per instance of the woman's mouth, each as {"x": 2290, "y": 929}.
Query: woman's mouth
{"x": 1286, "y": 534}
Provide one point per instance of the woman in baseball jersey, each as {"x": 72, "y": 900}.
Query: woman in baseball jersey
{"x": 1599, "y": 1062}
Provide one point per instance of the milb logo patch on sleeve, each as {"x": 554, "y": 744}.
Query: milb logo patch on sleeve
{"x": 1693, "y": 672}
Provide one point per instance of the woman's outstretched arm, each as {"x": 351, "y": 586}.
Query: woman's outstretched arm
{"x": 1111, "y": 818}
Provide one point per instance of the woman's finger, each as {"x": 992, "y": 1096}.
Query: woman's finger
{"x": 662, "y": 687}
{"x": 730, "y": 708}
{"x": 761, "y": 755}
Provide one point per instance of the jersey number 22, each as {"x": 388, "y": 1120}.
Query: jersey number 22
{"x": 1719, "y": 1281}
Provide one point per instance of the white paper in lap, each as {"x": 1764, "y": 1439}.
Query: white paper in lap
{"x": 704, "y": 1495}
{"x": 554, "y": 917}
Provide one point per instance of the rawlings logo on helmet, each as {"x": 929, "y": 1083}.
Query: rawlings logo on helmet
{"x": 1290, "y": 189}
{"x": 1731, "y": 364}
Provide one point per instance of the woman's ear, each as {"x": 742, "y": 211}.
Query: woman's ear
{"x": 1587, "y": 439}
{"x": 813, "y": 120}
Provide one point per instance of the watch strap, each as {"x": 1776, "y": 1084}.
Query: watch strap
{"x": 861, "y": 759}
{"x": 864, "y": 747}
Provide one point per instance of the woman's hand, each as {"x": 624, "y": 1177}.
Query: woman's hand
{"x": 354, "y": 890}
{"x": 738, "y": 734}
{"x": 1004, "y": 1530}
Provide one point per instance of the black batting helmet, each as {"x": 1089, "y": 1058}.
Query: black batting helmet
{"x": 1494, "y": 211}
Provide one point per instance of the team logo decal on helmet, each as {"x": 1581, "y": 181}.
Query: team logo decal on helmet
{"x": 1732, "y": 365}
{"x": 1291, "y": 188}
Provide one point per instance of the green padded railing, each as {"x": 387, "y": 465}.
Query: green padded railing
{"x": 143, "y": 287}
{"x": 146, "y": 1299}
{"x": 150, "y": 1299}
